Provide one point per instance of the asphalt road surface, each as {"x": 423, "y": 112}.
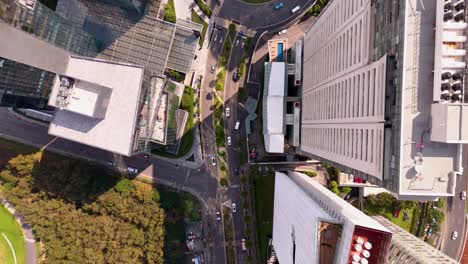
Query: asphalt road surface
{"x": 260, "y": 15}
{"x": 237, "y": 114}
{"x": 195, "y": 180}
{"x": 456, "y": 215}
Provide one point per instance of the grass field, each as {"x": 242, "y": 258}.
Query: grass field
{"x": 368, "y": 209}
{"x": 263, "y": 194}
{"x": 12, "y": 230}
{"x": 197, "y": 19}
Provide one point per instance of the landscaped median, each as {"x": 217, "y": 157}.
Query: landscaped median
{"x": 229, "y": 236}
{"x": 218, "y": 108}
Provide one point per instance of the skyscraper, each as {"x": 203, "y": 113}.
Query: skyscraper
{"x": 372, "y": 99}
{"x": 313, "y": 225}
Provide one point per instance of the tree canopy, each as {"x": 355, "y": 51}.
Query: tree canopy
{"x": 84, "y": 214}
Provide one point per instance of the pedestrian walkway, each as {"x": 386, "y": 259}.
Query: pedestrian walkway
{"x": 30, "y": 242}
{"x": 182, "y": 8}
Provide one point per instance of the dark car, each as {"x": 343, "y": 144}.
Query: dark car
{"x": 279, "y": 6}
{"x": 235, "y": 76}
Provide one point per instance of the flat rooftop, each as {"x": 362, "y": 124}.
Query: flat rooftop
{"x": 437, "y": 160}
{"x": 113, "y": 131}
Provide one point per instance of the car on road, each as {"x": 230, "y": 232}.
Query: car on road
{"x": 284, "y": 31}
{"x": 228, "y": 111}
{"x": 213, "y": 161}
{"x": 235, "y": 76}
{"x": 234, "y": 207}
{"x": 146, "y": 156}
{"x": 212, "y": 69}
{"x": 244, "y": 247}
{"x": 278, "y": 6}
{"x": 236, "y": 127}
{"x": 132, "y": 170}
{"x": 463, "y": 195}
{"x": 229, "y": 140}
{"x": 237, "y": 42}
{"x": 454, "y": 235}
{"x": 218, "y": 216}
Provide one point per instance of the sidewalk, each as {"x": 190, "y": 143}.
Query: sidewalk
{"x": 30, "y": 242}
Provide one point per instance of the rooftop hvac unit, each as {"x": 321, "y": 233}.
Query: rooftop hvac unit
{"x": 448, "y": 16}
{"x": 445, "y": 97}
{"x": 457, "y": 87}
{"x": 456, "y": 98}
{"x": 457, "y": 76}
{"x": 460, "y": 16}
{"x": 445, "y": 86}
{"x": 448, "y": 5}
{"x": 460, "y": 5}
{"x": 446, "y": 75}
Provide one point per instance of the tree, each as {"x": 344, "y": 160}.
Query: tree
{"x": 169, "y": 12}
{"x": 345, "y": 189}
{"x": 385, "y": 199}
{"x": 334, "y": 187}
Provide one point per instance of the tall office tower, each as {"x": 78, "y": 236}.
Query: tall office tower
{"x": 407, "y": 248}
{"x": 313, "y": 225}
{"x": 383, "y": 95}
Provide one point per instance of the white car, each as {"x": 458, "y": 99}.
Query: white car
{"x": 244, "y": 248}
{"x": 234, "y": 207}
{"x": 463, "y": 195}
{"x": 229, "y": 141}
{"x": 284, "y": 31}
{"x": 213, "y": 161}
{"x": 132, "y": 170}
{"x": 218, "y": 216}
{"x": 454, "y": 235}
{"x": 212, "y": 69}
{"x": 228, "y": 111}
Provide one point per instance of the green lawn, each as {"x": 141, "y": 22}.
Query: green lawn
{"x": 12, "y": 230}
{"x": 263, "y": 194}
{"x": 370, "y": 210}
{"x": 197, "y": 19}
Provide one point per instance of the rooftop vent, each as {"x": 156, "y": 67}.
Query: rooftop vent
{"x": 448, "y": 16}
{"x": 460, "y": 16}
{"x": 446, "y": 75}
{"x": 456, "y": 98}
{"x": 460, "y": 5}
{"x": 445, "y": 86}
{"x": 457, "y": 76}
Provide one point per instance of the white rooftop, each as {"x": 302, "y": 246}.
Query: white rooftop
{"x": 274, "y": 106}
{"x": 99, "y": 86}
{"x": 426, "y": 168}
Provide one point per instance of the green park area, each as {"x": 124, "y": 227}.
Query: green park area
{"x": 11, "y": 239}
{"x": 263, "y": 189}
{"x": 71, "y": 202}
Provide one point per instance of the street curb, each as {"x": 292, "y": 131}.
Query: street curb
{"x": 460, "y": 252}
{"x": 25, "y": 118}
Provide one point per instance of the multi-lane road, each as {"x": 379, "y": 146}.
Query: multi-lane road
{"x": 456, "y": 215}
{"x": 197, "y": 180}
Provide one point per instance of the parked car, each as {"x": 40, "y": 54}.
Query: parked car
{"x": 279, "y": 6}
{"x": 110, "y": 163}
{"x": 146, "y": 156}
{"x": 228, "y": 111}
{"x": 212, "y": 69}
{"x": 463, "y": 195}
{"x": 132, "y": 170}
{"x": 284, "y": 31}
{"x": 213, "y": 161}
{"x": 244, "y": 247}
{"x": 229, "y": 140}
{"x": 454, "y": 235}
{"x": 218, "y": 216}
{"x": 234, "y": 207}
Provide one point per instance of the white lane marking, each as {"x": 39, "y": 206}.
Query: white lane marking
{"x": 11, "y": 247}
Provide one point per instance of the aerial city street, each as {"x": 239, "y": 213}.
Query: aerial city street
{"x": 233, "y": 131}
